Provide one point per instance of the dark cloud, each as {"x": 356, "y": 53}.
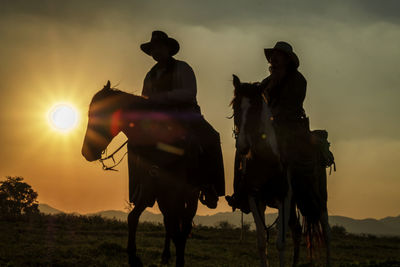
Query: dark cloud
{"x": 386, "y": 10}
{"x": 209, "y": 13}
{"x": 311, "y": 24}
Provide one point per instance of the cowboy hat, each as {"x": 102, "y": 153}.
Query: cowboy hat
{"x": 285, "y": 48}
{"x": 160, "y": 37}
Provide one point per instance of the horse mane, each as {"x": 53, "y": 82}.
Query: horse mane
{"x": 249, "y": 90}
{"x": 114, "y": 92}
{"x": 252, "y": 91}
{"x": 106, "y": 93}
{"x": 111, "y": 98}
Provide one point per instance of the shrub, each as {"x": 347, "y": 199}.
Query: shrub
{"x": 338, "y": 230}
{"x": 224, "y": 225}
{"x": 17, "y": 198}
{"x": 246, "y": 226}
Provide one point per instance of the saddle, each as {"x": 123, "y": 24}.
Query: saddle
{"x": 309, "y": 176}
{"x": 319, "y": 138}
{"x": 197, "y": 152}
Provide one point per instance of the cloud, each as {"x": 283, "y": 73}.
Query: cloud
{"x": 386, "y": 10}
{"x": 348, "y": 49}
{"x": 208, "y": 13}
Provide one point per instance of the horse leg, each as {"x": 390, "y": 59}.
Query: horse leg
{"x": 295, "y": 227}
{"x": 173, "y": 227}
{"x": 259, "y": 219}
{"x": 283, "y": 221}
{"x": 133, "y": 220}
{"x": 180, "y": 244}
{"x": 166, "y": 255}
{"x": 324, "y": 220}
{"x": 189, "y": 212}
{"x": 172, "y": 211}
{"x": 326, "y": 230}
{"x": 185, "y": 226}
{"x": 181, "y": 233}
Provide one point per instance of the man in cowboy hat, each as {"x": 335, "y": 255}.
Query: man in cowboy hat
{"x": 286, "y": 86}
{"x": 172, "y": 83}
{"x": 285, "y": 89}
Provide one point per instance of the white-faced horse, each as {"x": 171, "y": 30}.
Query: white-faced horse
{"x": 267, "y": 182}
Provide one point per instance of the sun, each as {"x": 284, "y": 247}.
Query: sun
{"x": 63, "y": 117}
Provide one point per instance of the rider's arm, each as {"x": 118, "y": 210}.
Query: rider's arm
{"x": 184, "y": 87}
{"x": 297, "y": 92}
{"x": 146, "y": 91}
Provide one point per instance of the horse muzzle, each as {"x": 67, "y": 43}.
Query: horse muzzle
{"x": 242, "y": 149}
{"x": 242, "y": 144}
{"x": 89, "y": 153}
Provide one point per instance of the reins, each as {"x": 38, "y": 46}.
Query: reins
{"x": 111, "y": 168}
{"x": 264, "y": 98}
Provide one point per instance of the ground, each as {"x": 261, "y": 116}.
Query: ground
{"x": 68, "y": 240}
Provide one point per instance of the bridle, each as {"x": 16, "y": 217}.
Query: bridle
{"x": 111, "y": 156}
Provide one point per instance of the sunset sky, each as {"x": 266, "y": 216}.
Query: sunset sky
{"x": 55, "y": 51}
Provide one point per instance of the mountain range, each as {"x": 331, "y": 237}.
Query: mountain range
{"x": 389, "y": 226}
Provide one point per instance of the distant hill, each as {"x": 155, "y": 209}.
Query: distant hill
{"x": 112, "y": 214}
{"x": 385, "y": 226}
{"x": 46, "y": 209}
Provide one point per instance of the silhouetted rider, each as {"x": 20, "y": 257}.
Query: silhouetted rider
{"x": 285, "y": 90}
{"x": 172, "y": 83}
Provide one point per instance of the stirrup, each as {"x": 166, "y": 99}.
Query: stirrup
{"x": 232, "y": 202}
{"x": 209, "y": 198}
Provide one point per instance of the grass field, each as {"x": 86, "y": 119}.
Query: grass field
{"x": 68, "y": 240}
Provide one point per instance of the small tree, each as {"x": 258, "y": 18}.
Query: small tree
{"x": 224, "y": 225}
{"x": 17, "y": 197}
{"x": 338, "y": 230}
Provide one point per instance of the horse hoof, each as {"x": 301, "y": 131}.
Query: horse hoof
{"x": 134, "y": 261}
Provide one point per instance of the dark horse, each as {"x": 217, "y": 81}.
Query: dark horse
{"x": 154, "y": 133}
{"x": 262, "y": 181}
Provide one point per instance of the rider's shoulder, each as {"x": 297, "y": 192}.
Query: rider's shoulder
{"x": 182, "y": 64}
{"x": 265, "y": 80}
{"x": 299, "y": 76}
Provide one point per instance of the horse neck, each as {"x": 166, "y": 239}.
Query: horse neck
{"x": 119, "y": 105}
{"x": 132, "y": 108}
{"x": 244, "y": 110}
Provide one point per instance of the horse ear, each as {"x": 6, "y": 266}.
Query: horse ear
{"x": 236, "y": 81}
{"x": 108, "y": 85}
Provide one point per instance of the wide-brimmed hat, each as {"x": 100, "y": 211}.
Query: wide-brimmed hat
{"x": 283, "y": 47}
{"x": 158, "y": 37}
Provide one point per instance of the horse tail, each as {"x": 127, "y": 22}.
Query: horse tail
{"x": 311, "y": 207}
{"x": 310, "y": 194}
{"x": 312, "y": 230}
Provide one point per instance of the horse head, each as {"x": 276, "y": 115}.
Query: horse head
{"x": 104, "y": 122}
{"x": 252, "y": 118}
